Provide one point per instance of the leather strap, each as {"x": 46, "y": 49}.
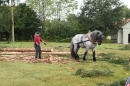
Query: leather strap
{"x": 90, "y": 39}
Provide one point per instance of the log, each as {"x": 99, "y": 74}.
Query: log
{"x": 23, "y": 50}
{"x": 20, "y": 53}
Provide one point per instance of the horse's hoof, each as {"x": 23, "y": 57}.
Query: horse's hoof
{"x": 94, "y": 60}
{"x": 77, "y": 60}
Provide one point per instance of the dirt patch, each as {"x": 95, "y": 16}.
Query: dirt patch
{"x": 31, "y": 59}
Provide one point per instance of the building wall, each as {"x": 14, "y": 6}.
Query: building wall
{"x": 126, "y": 31}
{"x": 119, "y": 37}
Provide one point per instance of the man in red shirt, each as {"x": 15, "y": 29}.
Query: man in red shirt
{"x": 37, "y": 40}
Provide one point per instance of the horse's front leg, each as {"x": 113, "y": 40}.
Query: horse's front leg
{"x": 94, "y": 58}
{"x": 85, "y": 53}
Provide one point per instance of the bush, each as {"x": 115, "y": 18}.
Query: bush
{"x": 80, "y": 71}
{"x": 106, "y": 41}
{"x": 126, "y": 47}
{"x": 66, "y": 40}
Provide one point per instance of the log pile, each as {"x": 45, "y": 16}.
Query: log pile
{"x": 31, "y": 59}
{"x": 27, "y": 55}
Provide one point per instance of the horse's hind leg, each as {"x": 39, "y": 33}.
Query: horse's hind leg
{"x": 76, "y": 48}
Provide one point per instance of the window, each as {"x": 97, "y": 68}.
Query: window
{"x": 128, "y": 38}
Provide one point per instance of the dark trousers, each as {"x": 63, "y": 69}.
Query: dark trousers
{"x": 37, "y": 51}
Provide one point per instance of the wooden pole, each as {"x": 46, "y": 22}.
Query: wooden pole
{"x": 27, "y": 53}
{"x": 23, "y": 50}
{"x": 12, "y": 18}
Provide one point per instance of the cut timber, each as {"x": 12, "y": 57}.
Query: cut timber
{"x": 56, "y": 52}
{"x": 23, "y": 50}
{"x": 9, "y": 53}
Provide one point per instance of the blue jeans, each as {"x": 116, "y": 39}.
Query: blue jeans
{"x": 37, "y": 51}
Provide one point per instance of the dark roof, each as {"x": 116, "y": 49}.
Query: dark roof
{"x": 125, "y": 21}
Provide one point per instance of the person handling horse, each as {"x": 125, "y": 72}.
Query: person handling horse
{"x": 37, "y": 40}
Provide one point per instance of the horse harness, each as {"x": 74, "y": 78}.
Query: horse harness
{"x": 89, "y": 39}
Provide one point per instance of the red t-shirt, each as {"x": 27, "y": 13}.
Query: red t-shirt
{"x": 128, "y": 85}
{"x": 37, "y": 39}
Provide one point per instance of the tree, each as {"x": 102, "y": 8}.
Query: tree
{"x": 43, "y": 8}
{"x": 100, "y": 14}
{"x": 5, "y": 21}
{"x": 72, "y": 20}
{"x": 4, "y": 2}
{"x": 63, "y": 8}
{"x": 62, "y": 34}
{"x": 126, "y": 12}
{"x": 12, "y": 18}
{"x": 52, "y": 9}
{"x": 26, "y": 22}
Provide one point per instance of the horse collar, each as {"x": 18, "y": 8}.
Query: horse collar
{"x": 90, "y": 39}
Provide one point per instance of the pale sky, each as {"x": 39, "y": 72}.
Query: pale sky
{"x": 126, "y": 2}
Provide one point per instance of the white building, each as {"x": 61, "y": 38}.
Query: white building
{"x": 124, "y": 34}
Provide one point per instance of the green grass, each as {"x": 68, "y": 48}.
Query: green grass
{"x": 57, "y": 74}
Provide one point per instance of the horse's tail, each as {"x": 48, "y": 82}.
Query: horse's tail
{"x": 72, "y": 50}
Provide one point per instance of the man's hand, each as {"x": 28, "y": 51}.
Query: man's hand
{"x": 44, "y": 43}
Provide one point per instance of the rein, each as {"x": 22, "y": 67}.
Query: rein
{"x": 82, "y": 41}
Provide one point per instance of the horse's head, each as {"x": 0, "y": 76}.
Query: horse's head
{"x": 97, "y": 36}
{"x": 100, "y": 37}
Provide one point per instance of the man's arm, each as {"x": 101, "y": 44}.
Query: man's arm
{"x": 42, "y": 41}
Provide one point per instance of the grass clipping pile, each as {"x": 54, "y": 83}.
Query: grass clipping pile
{"x": 31, "y": 59}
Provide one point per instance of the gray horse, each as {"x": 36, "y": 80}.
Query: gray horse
{"x": 88, "y": 41}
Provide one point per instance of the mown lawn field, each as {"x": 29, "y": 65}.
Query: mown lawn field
{"x": 64, "y": 74}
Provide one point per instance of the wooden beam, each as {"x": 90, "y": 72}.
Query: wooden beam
{"x": 20, "y": 53}
{"x": 23, "y": 50}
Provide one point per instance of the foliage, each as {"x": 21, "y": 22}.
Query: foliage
{"x": 4, "y": 18}
{"x": 62, "y": 34}
{"x": 126, "y": 12}
{"x": 5, "y": 22}
{"x": 52, "y": 9}
{"x": 72, "y": 19}
{"x": 57, "y": 8}
{"x": 126, "y": 47}
{"x": 101, "y": 15}
{"x": 93, "y": 73}
{"x": 4, "y": 2}
{"x": 26, "y": 22}
{"x": 106, "y": 41}
{"x": 112, "y": 58}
